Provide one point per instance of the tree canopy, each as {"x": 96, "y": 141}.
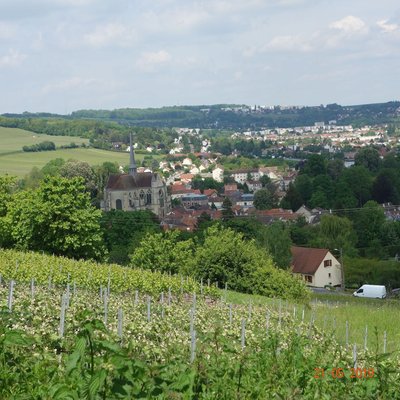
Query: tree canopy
{"x": 56, "y": 218}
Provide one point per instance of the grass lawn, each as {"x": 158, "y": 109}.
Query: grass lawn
{"x": 14, "y": 161}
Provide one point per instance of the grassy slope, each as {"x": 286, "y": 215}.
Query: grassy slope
{"x": 332, "y": 312}
{"x": 13, "y": 139}
{"x": 14, "y": 161}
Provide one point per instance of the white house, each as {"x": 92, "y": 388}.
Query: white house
{"x": 187, "y": 162}
{"x": 317, "y": 267}
{"x": 218, "y": 174}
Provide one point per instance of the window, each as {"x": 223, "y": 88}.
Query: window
{"x": 148, "y": 197}
{"x": 328, "y": 263}
{"x": 308, "y": 278}
{"x": 360, "y": 291}
{"x": 118, "y": 204}
{"x": 329, "y": 275}
{"x": 141, "y": 195}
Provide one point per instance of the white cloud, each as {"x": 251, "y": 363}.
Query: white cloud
{"x": 387, "y": 27}
{"x": 288, "y": 43}
{"x": 350, "y": 25}
{"x": 67, "y": 84}
{"x": 7, "y": 30}
{"x": 111, "y": 33}
{"x": 150, "y": 60}
{"x": 12, "y": 59}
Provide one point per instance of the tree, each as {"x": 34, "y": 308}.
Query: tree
{"x": 315, "y": 165}
{"x": 123, "y": 231}
{"x": 75, "y": 168}
{"x": 344, "y": 196}
{"x": 163, "y": 252}
{"x": 319, "y": 199}
{"x": 101, "y": 173}
{"x": 359, "y": 180}
{"x": 264, "y": 199}
{"x": 335, "y": 168}
{"x": 292, "y": 199}
{"x": 386, "y": 186}
{"x": 204, "y": 218}
{"x": 336, "y": 232}
{"x": 57, "y": 218}
{"x": 304, "y": 187}
{"x": 7, "y": 187}
{"x": 225, "y": 257}
{"x": 52, "y": 168}
{"x": 227, "y": 212}
{"x": 367, "y": 223}
{"x": 369, "y": 158}
{"x": 276, "y": 239}
{"x": 265, "y": 181}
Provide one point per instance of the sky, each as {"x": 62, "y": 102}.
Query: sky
{"x": 64, "y": 55}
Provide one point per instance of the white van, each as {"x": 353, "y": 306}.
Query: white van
{"x": 371, "y": 291}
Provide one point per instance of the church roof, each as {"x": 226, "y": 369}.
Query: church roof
{"x": 128, "y": 182}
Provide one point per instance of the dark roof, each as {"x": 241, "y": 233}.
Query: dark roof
{"x": 307, "y": 260}
{"x": 128, "y": 182}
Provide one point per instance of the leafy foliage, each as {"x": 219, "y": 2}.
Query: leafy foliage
{"x": 163, "y": 252}
{"x": 57, "y": 218}
{"x": 226, "y": 257}
{"x": 42, "y": 146}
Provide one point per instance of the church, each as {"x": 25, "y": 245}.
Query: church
{"x": 137, "y": 191}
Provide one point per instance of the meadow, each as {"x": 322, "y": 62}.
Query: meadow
{"x": 13, "y": 161}
{"x": 80, "y": 330}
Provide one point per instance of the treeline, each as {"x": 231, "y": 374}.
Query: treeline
{"x": 367, "y": 270}
{"x": 101, "y": 134}
{"x": 42, "y": 146}
{"x": 221, "y": 116}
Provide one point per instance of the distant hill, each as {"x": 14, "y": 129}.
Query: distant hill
{"x": 232, "y": 116}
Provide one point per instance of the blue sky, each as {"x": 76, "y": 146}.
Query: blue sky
{"x": 64, "y": 55}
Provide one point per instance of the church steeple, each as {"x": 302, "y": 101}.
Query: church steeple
{"x": 132, "y": 165}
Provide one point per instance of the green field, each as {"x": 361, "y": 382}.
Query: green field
{"x": 13, "y": 139}
{"x": 14, "y": 161}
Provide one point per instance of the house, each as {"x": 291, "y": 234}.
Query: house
{"x": 254, "y": 185}
{"x": 242, "y": 175}
{"x": 218, "y": 174}
{"x": 246, "y": 200}
{"x": 317, "y": 267}
{"x": 210, "y": 193}
{"x": 275, "y": 214}
{"x": 312, "y": 216}
{"x": 179, "y": 190}
{"x": 186, "y": 178}
{"x": 229, "y": 188}
{"x": 193, "y": 200}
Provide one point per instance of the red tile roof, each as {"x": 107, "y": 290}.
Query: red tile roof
{"x": 307, "y": 260}
{"x": 210, "y": 192}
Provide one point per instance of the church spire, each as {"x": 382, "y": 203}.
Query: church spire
{"x": 132, "y": 165}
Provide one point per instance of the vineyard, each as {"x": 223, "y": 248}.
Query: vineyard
{"x": 78, "y": 330}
